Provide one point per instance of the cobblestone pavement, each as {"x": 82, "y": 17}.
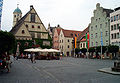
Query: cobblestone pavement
{"x": 66, "y": 70}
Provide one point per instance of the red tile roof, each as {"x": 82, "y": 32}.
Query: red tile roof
{"x": 71, "y": 33}
{"x": 83, "y": 40}
{"x": 83, "y": 33}
{"x": 58, "y": 30}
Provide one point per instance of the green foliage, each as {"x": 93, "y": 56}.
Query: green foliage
{"x": 98, "y": 49}
{"x": 92, "y": 49}
{"x": 24, "y": 44}
{"x": 40, "y": 42}
{"x": 77, "y": 50}
{"x": 113, "y": 48}
{"x": 84, "y": 50}
{"x": 110, "y": 49}
{"x": 7, "y": 41}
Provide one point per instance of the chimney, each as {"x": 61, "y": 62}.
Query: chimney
{"x": 58, "y": 25}
{"x": 31, "y": 7}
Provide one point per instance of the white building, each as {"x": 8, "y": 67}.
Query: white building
{"x": 65, "y": 41}
{"x": 115, "y": 27}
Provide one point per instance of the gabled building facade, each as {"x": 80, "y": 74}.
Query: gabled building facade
{"x": 29, "y": 27}
{"x": 65, "y": 41}
{"x": 99, "y": 29}
{"x": 51, "y": 30}
{"x": 81, "y": 41}
{"x": 56, "y": 38}
{"x": 115, "y": 27}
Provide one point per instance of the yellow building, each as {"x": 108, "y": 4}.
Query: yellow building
{"x": 29, "y": 27}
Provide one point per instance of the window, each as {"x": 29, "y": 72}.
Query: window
{"x": 114, "y": 35}
{"x": 15, "y": 16}
{"x": 91, "y": 36}
{"x": 111, "y": 36}
{"x": 68, "y": 40}
{"x": 32, "y": 17}
{"x": 96, "y": 26}
{"x": 117, "y": 17}
{"x": 96, "y": 43}
{"x": 26, "y": 25}
{"x": 32, "y": 26}
{"x": 38, "y": 27}
{"x": 92, "y": 43}
{"x": 111, "y": 27}
{"x": 91, "y": 28}
{"x": 81, "y": 45}
{"x": 62, "y": 41}
{"x": 106, "y": 33}
{"x": 111, "y": 19}
{"x": 23, "y": 31}
{"x": 106, "y": 42}
{"x": 114, "y": 18}
{"x": 68, "y": 46}
{"x": 95, "y": 35}
{"x": 71, "y": 34}
{"x": 75, "y": 35}
{"x": 106, "y": 24}
{"x": 117, "y": 35}
{"x": 99, "y": 18}
{"x": 115, "y": 27}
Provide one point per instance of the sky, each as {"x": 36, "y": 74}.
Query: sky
{"x": 69, "y": 14}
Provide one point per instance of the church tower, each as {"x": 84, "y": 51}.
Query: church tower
{"x": 17, "y": 14}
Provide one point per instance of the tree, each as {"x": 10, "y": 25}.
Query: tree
{"x": 92, "y": 49}
{"x": 77, "y": 50}
{"x": 7, "y": 41}
{"x": 84, "y": 50}
{"x": 113, "y": 49}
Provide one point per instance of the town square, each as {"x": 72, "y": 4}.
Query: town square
{"x": 62, "y": 41}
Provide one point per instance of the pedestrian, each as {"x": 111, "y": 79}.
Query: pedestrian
{"x": 8, "y": 62}
{"x": 29, "y": 56}
{"x": 17, "y": 55}
{"x": 33, "y": 58}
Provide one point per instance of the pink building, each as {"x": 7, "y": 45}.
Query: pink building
{"x": 56, "y": 38}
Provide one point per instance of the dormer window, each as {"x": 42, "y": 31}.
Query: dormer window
{"x": 32, "y": 17}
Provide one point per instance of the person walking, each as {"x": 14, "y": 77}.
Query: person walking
{"x": 29, "y": 56}
{"x": 33, "y": 58}
{"x": 8, "y": 62}
{"x": 17, "y": 55}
